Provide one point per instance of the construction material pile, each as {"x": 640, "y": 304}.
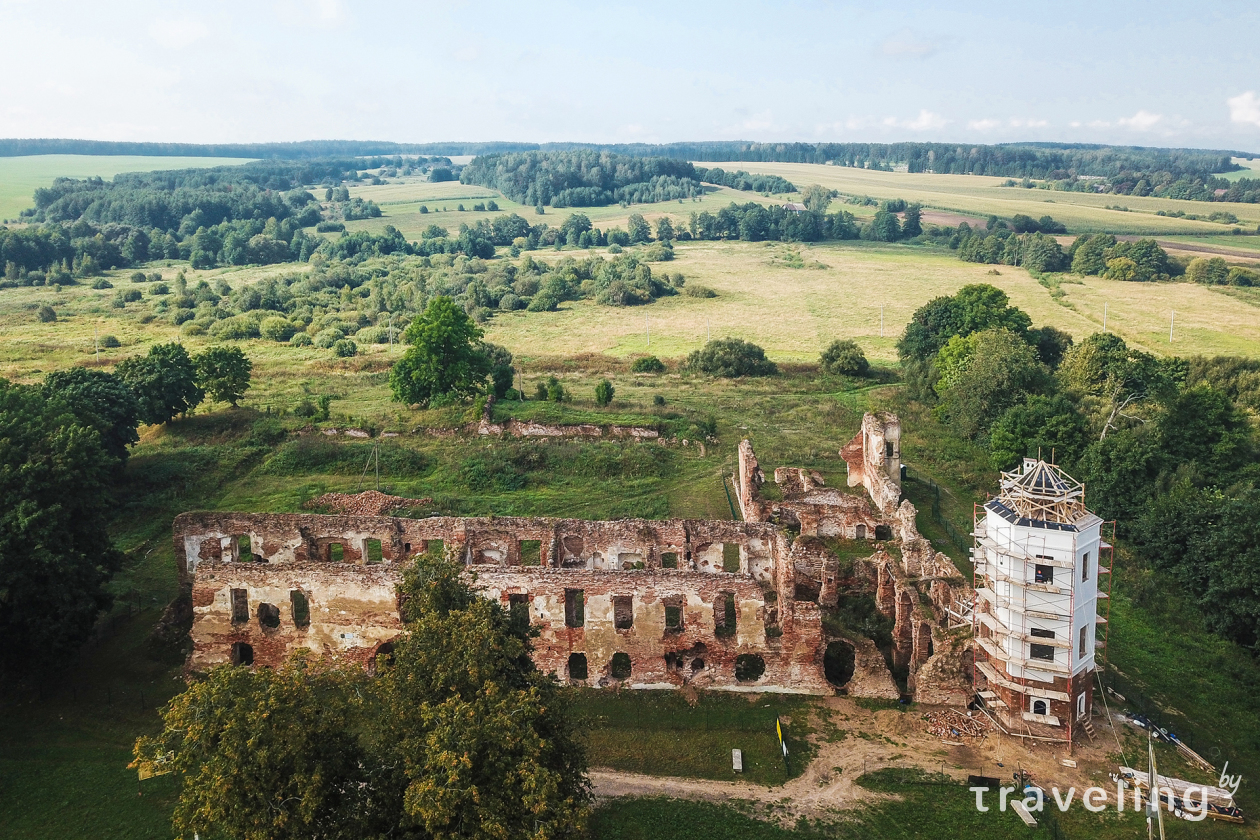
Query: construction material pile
{"x": 367, "y": 503}
{"x": 953, "y": 725}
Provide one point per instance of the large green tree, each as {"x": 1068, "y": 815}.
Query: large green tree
{"x": 164, "y": 381}
{"x": 268, "y": 755}
{"x": 446, "y": 361}
{"x": 100, "y": 400}
{"x": 975, "y": 307}
{"x": 1049, "y": 427}
{"x": 224, "y": 373}
{"x": 983, "y": 375}
{"x": 730, "y": 358}
{"x": 55, "y": 551}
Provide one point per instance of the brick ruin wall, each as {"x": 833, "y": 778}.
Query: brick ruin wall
{"x": 656, "y": 591}
{"x": 918, "y": 590}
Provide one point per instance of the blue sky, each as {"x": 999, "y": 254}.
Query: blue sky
{"x": 1149, "y": 73}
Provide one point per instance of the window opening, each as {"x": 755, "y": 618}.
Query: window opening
{"x": 268, "y": 616}
{"x": 749, "y": 667}
{"x": 1041, "y": 634}
{"x": 1043, "y": 652}
{"x": 883, "y": 532}
{"x": 861, "y": 532}
{"x": 623, "y": 612}
{"x": 619, "y": 668}
{"x": 1040, "y": 707}
{"x": 372, "y": 552}
{"x": 888, "y": 449}
{"x": 1043, "y": 574}
{"x": 1084, "y": 641}
{"x": 531, "y": 552}
{"x": 1085, "y": 567}
{"x": 518, "y": 609}
{"x": 839, "y": 663}
{"x": 669, "y": 560}
{"x": 577, "y": 666}
{"x": 437, "y": 547}
{"x": 240, "y": 606}
{"x": 244, "y": 547}
{"x": 242, "y": 654}
{"x": 724, "y": 614}
{"x": 730, "y": 557}
{"x": 336, "y": 552}
{"x": 674, "y": 614}
{"x": 1080, "y": 705}
{"x": 301, "y": 607}
{"x": 574, "y": 608}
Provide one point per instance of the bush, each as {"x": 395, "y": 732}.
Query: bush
{"x": 658, "y": 252}
{"x": 330, "y": 227}
{"x": 131, "y": 295}
{"x": 372, "y": 335}
{"x": 658, "y": 400}
{"x": 159, "y": 289}
{"x": 109, "y": 341}
{"x": 604, "y": 392}
{"x": 345, "y": 348}
{"x": 648, "y": 364}
{"x": 325, "y": 339}
{"x": 192, "y": 328}
{"x": 697, "y": 291}
{"x": 510, "y": 302}
{"x": 102, "y": 283}
{"x": 235, "y": 328}
{"x": 46, "y": 314}
{"x": 154, "y": 277}
{"x": 552, "y": 390}
{"x": 300, "y": 340}
{"x": 844, "y": 358}
{"x": 615, "y": 248}
{"x": 276, "y": 328}
{"x": 730, "y": 357}
{"x": 138, "y": 277}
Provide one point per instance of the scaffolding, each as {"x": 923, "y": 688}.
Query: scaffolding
{"x": 1041, "y": 494}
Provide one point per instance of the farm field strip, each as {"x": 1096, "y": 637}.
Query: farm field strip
{"x": 982, "y": 195}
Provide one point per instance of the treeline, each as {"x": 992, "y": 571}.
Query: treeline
{"x": 582, "y": 178}
{"x": 1167, "y": 446}
{"x": 741, "y": 180}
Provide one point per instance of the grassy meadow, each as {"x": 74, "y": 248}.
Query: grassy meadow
{"x": 21, "y": 176}
{"x": 982, "y": 195}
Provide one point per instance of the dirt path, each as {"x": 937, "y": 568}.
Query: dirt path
{"x": 874, "y": 740}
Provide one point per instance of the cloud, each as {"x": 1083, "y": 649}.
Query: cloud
{"x": 926, "y": 121}
{"x": 905, "y": 44}
{"x": 984, "y": 125}
{"x": 1141, "y": 121}
{"x": 1028, "y": 123}
{"x": 1244, "y": 108}
{"x": 178, "y": 34}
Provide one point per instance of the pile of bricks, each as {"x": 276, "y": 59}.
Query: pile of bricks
{"x": 952, "y": 725}
{"x": 367, "y": 503}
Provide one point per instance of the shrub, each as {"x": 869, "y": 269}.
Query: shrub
{"x": 325, "y": 339}
{"x": 648, "y": 364}
{"x": 102, "y": 283}
{"x": 110, "y": 341}
{"x": 330, "y": 227}
{"x": 552, "y": 390}
{"x": 300, "y": 340}
{"x": 658, "y": 400}
{"x": 276, "y": 328}
{"x": 138, "y": 277}
{"x": 345, "y": 348}
{"x": 118, "y": 302}
{"x": 192, "y": 328}
{"x": 154, "y": 277}
{"x": 730, "y": 357}
{"x": 510, "y": 302}
{"x": 46, "y": 314}
{"x": 131, "y": 295}
{"x": 697, "y": 291}
{"x": 604, "y": 392}
{"x": 615, "y": 248}
{"x": 158, "y": 289}
{"x": 235, "y": 328}
{"x": 658, "y": 252}
{"x": 844, "y": 358}
{"x": 372, "y": 335}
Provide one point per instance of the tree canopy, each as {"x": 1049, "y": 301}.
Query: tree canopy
{"x": 100, "y": 400}
{"x": 224, "y": 373}
{"x": 445, "y": 362}
{"x": 730, "y": 357}
{"x": 164, "y": 382}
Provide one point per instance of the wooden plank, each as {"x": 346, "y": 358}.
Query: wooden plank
{"x": 1023, "y": 814}
{"x": 737, "y": 761}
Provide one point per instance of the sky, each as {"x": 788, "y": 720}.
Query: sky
{"x": 1149, "y": 73}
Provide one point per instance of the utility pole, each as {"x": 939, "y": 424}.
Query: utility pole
{"x": 881, "y": 321}
{"x": 96, "y": 340}
{"x": 1171, "y": 319}
{"x": 390, "y": 329}
{"x": 648, "y": 325}
{"x": 1104, "y": 317}
{"x": 708, "y": 336}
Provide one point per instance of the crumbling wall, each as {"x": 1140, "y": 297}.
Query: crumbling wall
{"x": 874, "y": 459}
{"x": 731, "y": 583}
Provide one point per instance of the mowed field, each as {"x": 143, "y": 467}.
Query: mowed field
{"x": 980, "y": 194}
{"x": 21, "y": 176}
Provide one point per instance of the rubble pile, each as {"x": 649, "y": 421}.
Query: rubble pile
{"x": 950, "y": 724}
{"x": 367, "y": 503}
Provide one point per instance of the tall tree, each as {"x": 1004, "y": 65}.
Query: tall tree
{"x": 445, "y": 362}
{"x": 816, "y": 198}
{"x": 55, "y": 550}
{"x": 164, "y": 381}
{"x": 224, "y": 373}
{"x": 101, "y": 400}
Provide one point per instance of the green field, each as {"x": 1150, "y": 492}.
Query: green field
{"x": 1251, "y": 169}
{"x": 21, "y": 176}
{"x": 981, "y": 194}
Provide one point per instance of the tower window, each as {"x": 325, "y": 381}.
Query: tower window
{"x": 1084, "y": 641}
{"x": 1041, "y": 634}
{"x": 1085, "y": 567}
{"x": 1043, "y": 574}
{"x": 1043, "y": 652}
{"x": 1040, "y": 707}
